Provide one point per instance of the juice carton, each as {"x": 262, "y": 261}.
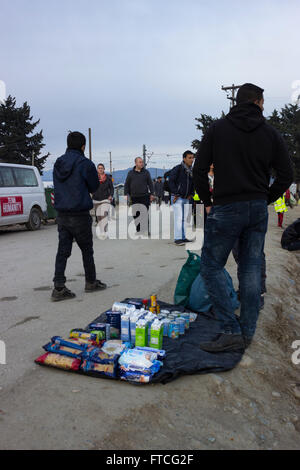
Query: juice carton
{"x": 141, "y": 333}
{"x": 156, "y": 335}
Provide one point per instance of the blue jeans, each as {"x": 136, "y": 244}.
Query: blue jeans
{"x": 235, "y": 253}
{"x": 181, "y": 210}
{"x": 247, "y": 221}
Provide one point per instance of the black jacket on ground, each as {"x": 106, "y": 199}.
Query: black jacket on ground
{"x": 243, "y": 148}
{"x": 105, "y": 190}
{"x": 180, "y": 183}
{"x": 138, "y": 183}
{"x": 291, "y": 234}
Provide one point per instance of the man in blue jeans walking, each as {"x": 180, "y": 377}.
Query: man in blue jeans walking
{"x": 243, "y": 148}
{"x": 182, "y": 190}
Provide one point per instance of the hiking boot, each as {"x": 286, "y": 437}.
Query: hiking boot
{"x": 224, "y": 342}
{"x": 94, "y": 286}
{"x": 179, "y": 242}
{"x": 61, "y": 294}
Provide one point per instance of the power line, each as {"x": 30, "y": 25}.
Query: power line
{"x": 233, "y": 88}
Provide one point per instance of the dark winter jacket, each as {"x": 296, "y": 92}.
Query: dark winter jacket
{"x": 180, "y": 183}
{"x": 166, "y": 181}
{"x": 74, "y": 178}
{"x": 159, "y": 189}
{"x": 138, "y": 183}
{"x": 243, "y": 148}
{"x": 105, "y": 190}
{"x": 291, "y": 234}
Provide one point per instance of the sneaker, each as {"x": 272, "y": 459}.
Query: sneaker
{"x": 179, "y": 242}
{"x": 224, "y": 342}
{"x": 95, "y": 286}
{"x": 62, "y": 294}
{"x": 188, "y": 241}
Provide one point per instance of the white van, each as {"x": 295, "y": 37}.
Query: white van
{"x": 22, "y": 196}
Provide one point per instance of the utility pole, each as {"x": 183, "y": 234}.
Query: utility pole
{"x": 90, "y": 143}
{"x": 110, "y": 163}
{"x": 144, "y": 155}
{"x": 233, "y": 89}
{"x": 32, "y": 158}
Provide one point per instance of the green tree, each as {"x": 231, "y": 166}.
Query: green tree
{"x": 287, "y": 122}
{"x": 17, "y": 139}
{"x": 203, "y": 123}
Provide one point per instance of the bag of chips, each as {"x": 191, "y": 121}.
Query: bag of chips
{"x": 59, "y": 361}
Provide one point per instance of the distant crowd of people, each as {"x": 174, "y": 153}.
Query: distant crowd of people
{"x": 229, "y": 174}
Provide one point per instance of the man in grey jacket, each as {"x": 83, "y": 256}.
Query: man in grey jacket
{"x": 139, "y": 187}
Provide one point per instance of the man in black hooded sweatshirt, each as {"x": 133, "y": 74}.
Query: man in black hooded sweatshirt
{"x": 74, "y": 178}
{"x": 243, "y": 148}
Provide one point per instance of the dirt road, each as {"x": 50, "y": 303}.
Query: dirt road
{"x": 254, "y": 406}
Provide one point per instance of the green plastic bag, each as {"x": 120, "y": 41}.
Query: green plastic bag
{"x": 188, "y": 274}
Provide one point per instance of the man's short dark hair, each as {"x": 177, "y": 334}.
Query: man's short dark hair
{"x": 186, "y": 153}
{"x": 248, "y": 93}
{"x": 100, "y": 164}
{"x": 76, "y": 140}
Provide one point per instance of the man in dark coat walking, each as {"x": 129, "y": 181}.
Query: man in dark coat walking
{"x": 182, "y": 190}
{"x": 139, "y": 187}
{"x": 159, "y": 190}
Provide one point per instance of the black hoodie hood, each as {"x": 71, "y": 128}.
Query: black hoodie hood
{"x": 64, "y": 165}
{"x": 246, "y": 117}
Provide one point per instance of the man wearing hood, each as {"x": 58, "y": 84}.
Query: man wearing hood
{"x": 243, "y": 148}
{"x": 74, "y": 178}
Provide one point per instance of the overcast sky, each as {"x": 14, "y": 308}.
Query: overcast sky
{"x": 139, "y": 71}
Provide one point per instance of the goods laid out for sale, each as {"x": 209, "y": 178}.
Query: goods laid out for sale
{"x": 126, "y": 342}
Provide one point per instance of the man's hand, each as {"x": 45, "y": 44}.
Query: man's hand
{"x": 152, "y": 198}
{"x": 175, "y": 199}
{"x": 208, "y": 209}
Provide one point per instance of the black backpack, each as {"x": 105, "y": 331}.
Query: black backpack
{"x": 166, "y": 182}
